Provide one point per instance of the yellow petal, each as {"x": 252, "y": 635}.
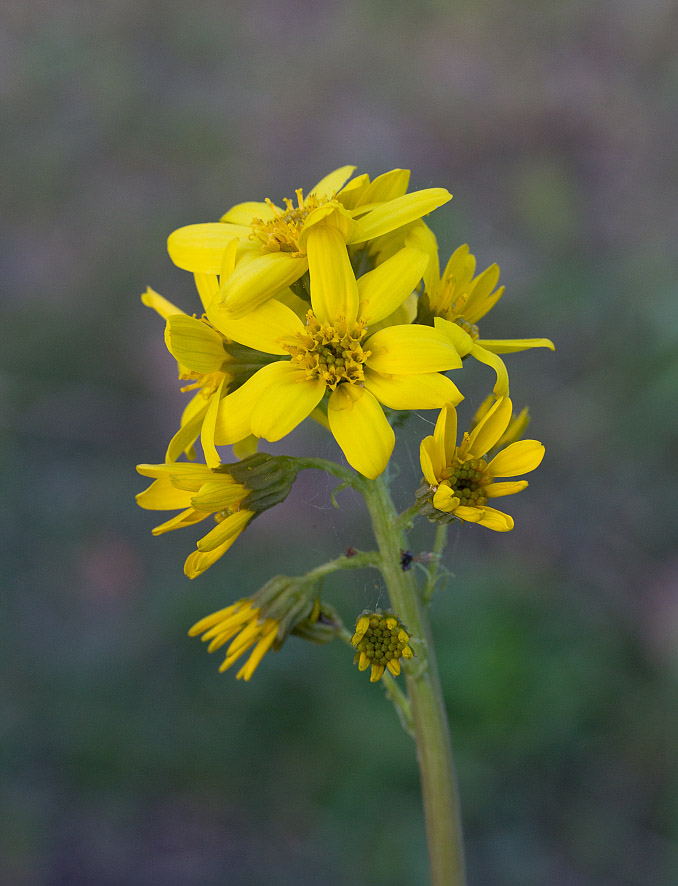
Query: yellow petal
{"x": 254, "y": 282}
{"x": 218, "y": 496}
{"x": 207, "y": 285}
{"x": 235, "y": 410}
{"x": 457, "y": 336}
{"x": 199, "y": 561}
{"x": 394, "y": 666}
{"x": 422, "y": 237}
{"x": 385, "y": 288}
{"x": 511, "y": 345}
{"x": 445, "y": 500}
{"x": 185, "y": 518}
{"x": 518, "y": 458}
{"x": 499, "y": 490}
{"x": 396, "y": 213}
{"x": 496, "y": 520}
{"x": 386, "y": 187}
{"x": 154, "y": 300}
{"x": 162, "y": 495}
{"x": 253, "y": 661}
{"x": 262, "y": 328}
{"x": 461, "y": 266}
{"x": 377, "y": 673}
{"x": 401, "y": 350}
{"x": 429, "y": 390}
{"x": 481, "y": 298}
{"x": 501, "y": 387}
{"x": 489, "y": 430}
{"x": 288, "y": 398}
{"x": 359, "y": 426}
{"x": 445, "y": 434}
{"x": 350, "y": 194}
{"x": 246, "y": 447}
{"x": 230, "y": 527}
{"x": 194, "y": 344}
{"x": 332, "y": 182}
{"x": 188, "y": 433}
{"x": 200, "y": 248}
{"x": 429, "y": 460}
{"x": 334, "y": 291}
{"x": 209, "y": 424}
{"x": 245, "y": 213}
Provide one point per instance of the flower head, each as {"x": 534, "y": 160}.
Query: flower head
{"x": 282, "y": 607}
{"x": 233, "y": 494}
{"x": 273, "y": 242}
{"x": 381, "y": 641}
{"x": 337, "y": 353}
{"x": 460, "y": 480}
{"x": 458, "y": 299}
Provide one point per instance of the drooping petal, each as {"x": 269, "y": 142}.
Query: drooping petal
{"x": 496, "y": 520}
{"x": 194, "y": 344}
{"x": 489, "y": 430}
{"x": 361, "y": 429}
{"x": 445, "y": 500}
{"x": 188, "y": 433}
{"x": 209, "y": 425}
{"x": 429, "y": 390}
{"x": 245, "y": 213}
{"x": 185, "y": 518}
{"x": 253, "y": 282}
{"x": 429, "y": 459}
{"x": 445, "y": 433}
{"x": 400, "y": 350}
{"x": 518, "y": 458}
{"x": 200, "y": 248}
{"x": 285, "y": 402}
{"x": 457, "y": 336}
{"x": 262, "y": 328}
{"x": 253, "y": 661}
{"x": 154, "y": 300}
{"x": 396, "y": 213}
{"x": 499, "y": 490}
{"x": 511, "y": 345}
{"x": 229, "y": 527}
{"x": 332, "y": 182}
{"x": 235, "y": 410}
{"x": 162, "y": 495}
{"x": 501, "y": 387}
{"x": 334, "y": 291}
{"x": 385, "y": 288}
{"x": 217, "y": 495}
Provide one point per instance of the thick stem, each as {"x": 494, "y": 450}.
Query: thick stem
{"x": 434, "y": 750}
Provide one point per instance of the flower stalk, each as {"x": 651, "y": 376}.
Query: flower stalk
{"x": 429, "y": 719}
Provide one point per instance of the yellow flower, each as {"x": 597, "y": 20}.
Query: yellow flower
{"x": 459, "y": 477}
{"x": 244, "y": 625}
{"x": 205, "y": 361}
{"x": 381, "y": 641}
{"x": 398, "y": 366}
{"x": 273, "y": 245}
{"x": 199, "y": 492}
{"x": 457, "y": 300}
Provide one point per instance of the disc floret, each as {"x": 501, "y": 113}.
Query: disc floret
{"x": 381, "y": 640}
{"x": 281, "y": 233}
{"x": 331, "y": 352}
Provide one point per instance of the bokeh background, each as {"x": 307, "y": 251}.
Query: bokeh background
{"x": 126, "y": 758}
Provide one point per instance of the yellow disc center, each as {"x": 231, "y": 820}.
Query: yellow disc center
{"x": 333, "y": 353}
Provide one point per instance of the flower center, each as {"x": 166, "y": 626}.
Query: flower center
{"x": 333, "y": 353}
{"x": 466, "y": 482}
{"x": 281, "y": 233}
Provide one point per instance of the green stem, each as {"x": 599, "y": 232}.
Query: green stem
{"x": 434, "y": 750}
{"x": 433, "y": 570}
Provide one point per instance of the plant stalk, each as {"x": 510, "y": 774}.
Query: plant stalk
{"x": 431, "y": 732}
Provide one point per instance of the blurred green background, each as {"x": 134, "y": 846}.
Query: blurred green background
{"x": 126, "y": 758}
